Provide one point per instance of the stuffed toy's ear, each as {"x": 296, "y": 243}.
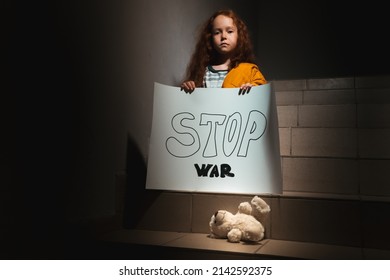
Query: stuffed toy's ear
{"x": 219, "y": 216}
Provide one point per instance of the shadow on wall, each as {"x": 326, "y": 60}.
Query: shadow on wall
{"x": 137, "y": 199}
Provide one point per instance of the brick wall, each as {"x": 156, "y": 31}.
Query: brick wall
{"x": 335, "y": 136}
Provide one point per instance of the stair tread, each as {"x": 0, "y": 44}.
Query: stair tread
{"x": 271, "y": 248}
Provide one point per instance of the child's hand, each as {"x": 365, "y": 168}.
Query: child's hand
{"x": 188, "y": 86}
{"x": 245, "y": 88}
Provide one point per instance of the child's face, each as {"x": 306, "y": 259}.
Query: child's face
{"x": 224, "y": 34}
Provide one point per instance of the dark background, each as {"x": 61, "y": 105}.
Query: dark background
{"x": 68, "y": 115}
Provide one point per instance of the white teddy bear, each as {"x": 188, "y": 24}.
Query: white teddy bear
{"x": 245, "y": 225}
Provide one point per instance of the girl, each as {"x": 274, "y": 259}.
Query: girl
{"x": 223, "y": 56}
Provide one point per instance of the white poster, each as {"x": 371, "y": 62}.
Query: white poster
{"x": 214, "y": 140}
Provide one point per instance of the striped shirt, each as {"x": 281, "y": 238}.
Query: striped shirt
{"x": 214, "y": 78}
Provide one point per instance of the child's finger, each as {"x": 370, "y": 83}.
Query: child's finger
{"x": 245, "y": 88}
{"x": 188, "y": 86}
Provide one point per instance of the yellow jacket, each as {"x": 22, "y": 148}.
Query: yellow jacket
{"x": 244, "y": 73}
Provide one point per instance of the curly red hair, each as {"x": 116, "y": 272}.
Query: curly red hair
{"x": 205, "y": 54}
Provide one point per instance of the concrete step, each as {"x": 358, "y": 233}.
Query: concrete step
{"x": 148, "y": 244}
